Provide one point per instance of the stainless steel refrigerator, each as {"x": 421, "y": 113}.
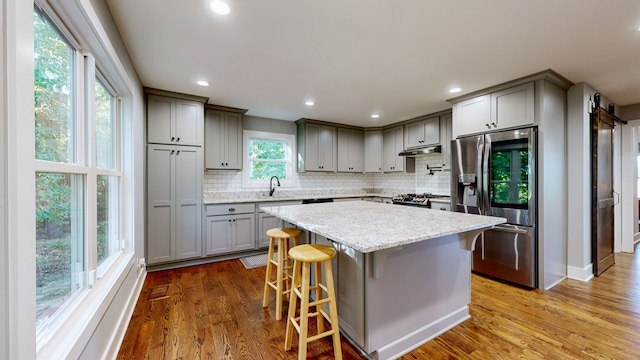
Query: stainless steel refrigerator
{"x": 494, "y": 174}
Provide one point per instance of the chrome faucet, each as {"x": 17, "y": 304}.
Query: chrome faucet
{"x": 271, "y": 187}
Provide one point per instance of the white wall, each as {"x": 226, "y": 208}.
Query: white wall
{"x": 4, "y": 333}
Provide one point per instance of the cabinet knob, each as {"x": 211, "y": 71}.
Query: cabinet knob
{"x": 178, "y": 139}
{"x": 494, "y": 125}
{"x": 221, "y": 164}
{"x": 488, "y": 126}
{"x": 443, "y": 208}
{"x": 234, "y": 220}
{"x": 226, "y": 164}
{"x": 172, "y": 151}
{"x": 172, "y": 138}
{"x": 232, "y": 209}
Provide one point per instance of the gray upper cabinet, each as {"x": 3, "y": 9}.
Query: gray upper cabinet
{"x": 445, "y": 140}
{"x": 317, "y": 147}
{"x": 392, "y": 145}
{"x": 373, "y": 151}
{"x": 499, "y": 110}
{"x": 223, "y": 139}
{"x": 174, "y": 203}
{"x": 174, "y": 118}
{"x": 422, "y": 132}
{"x": 350, "y": 150}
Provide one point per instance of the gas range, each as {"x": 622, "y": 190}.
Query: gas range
{"x": 419, "y": 200}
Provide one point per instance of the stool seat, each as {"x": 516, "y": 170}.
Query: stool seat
{"x": 312, "y": 253}
{"x": 283, "y": 233}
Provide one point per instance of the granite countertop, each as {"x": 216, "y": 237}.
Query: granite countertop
{"x": 369, "y": 226}
{"x": 225, "y": 197}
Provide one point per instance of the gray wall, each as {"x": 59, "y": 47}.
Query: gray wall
{"x": 269, "y": 125}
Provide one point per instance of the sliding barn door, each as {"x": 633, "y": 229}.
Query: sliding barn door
{"x": 602, "y": 124}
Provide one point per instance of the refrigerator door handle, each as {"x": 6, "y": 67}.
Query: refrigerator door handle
{"x": 510, "y": 229}
{"x": 486, "y": 155}
{"x": 480, "y": 179}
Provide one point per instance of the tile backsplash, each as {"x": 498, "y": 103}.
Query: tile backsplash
{"x": 419, "y": 182}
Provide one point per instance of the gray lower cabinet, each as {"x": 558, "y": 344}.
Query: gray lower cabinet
{"x": 266, "y": 222}
{"x": 174, "y": 203}
{"x": 230, "y": 228}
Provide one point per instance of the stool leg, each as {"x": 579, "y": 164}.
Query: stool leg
{"x": 281, "y": 254}
{"x": 304, "y": 312}
{"x": 267, "y": 278}
{"x": 319, "y": 296}
{"x": 293, "y": 300}
{"x": 337, "y": 351}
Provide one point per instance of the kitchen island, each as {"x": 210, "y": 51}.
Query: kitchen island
{"x": 403, "y": 274}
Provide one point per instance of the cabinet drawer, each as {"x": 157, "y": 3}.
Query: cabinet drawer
{"x": 230, "y": 209}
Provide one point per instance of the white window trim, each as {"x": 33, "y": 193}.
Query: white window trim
{"x": 292, "y": 175}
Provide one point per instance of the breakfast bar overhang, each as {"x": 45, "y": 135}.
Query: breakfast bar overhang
{"x": 403, "y": 274}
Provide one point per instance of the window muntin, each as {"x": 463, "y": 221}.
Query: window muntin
{"x": 54, "y": 82}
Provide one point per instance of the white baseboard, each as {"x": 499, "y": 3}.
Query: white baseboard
{"x": 585, "y": 274}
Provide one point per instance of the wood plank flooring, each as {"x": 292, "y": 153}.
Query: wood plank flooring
{"x": 215, "y": 311}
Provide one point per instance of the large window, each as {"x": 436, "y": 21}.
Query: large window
{"x": 267, "y": 155}
{"x": 78, "y": 172}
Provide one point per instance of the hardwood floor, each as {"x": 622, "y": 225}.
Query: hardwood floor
{"x": 215, "y": 311}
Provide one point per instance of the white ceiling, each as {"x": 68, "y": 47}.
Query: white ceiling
{"x": 356, "y": 57}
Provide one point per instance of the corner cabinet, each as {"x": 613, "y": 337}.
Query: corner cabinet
{"x": 223, "y": 138}
{"x": 373, "y": 151}
{"x": 174, "y": 203}
{"x": 174, "y": 118}
{"x": 392, "y": 145}
{"x": 230, "y": 228}
{"x": 508, "y": 108}
{"x": 350, "y": 150}
{"x": 317, "y": 147}
{"x": 422, "y": 133}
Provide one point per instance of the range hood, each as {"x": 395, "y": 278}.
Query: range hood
{"x": 421, "y": 151}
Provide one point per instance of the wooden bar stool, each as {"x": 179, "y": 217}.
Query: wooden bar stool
{"x": 282, "y": 266}
{"x": 304, "y": 256}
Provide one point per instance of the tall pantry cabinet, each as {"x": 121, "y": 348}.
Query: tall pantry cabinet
{"x": 175, "y": 127}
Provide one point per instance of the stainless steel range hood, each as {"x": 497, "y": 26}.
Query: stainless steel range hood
{"x": 421, "y": 151}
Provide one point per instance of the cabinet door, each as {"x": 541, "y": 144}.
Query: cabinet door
{"x": 414, "y": 134}
{"x": 328, "y": 148}
{"x": 189, "y": 122}
{"x": 472, "y": 116}
{"x": 244, "y": 235}
{"x": 373, "y": 151}
{"x": 312, "y": 147}
{"x": 188, "y": 201}
{"x": 356, "y": 151}
{"x": 389, "y": 150}
{"x": 219, "y": 229}
{"x": 214, "y": 139}
{"x": 266, "y": 222}
{"x": 350, "y": 150}
{"x": 513, "y": 107}
{"x": 160, "y": 204}
{"x": 160, "y": 119}
{"x": 233, "y": 138}
{"x": 431, "y": 128}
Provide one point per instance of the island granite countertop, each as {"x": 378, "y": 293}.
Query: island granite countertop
{"x": 369, "y": 226}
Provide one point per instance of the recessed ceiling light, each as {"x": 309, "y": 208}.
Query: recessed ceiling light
{"x": 220, "y": 7}
{"x": 202, "y": 83}
{"x": 309, "y": 103}
{"x": 455, "y": 90}
{"x": 375, "y": 116}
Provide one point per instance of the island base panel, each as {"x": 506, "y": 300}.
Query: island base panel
{"x": 423, "y": 291}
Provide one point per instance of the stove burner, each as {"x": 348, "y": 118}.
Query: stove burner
{"x": 421, "y": 200}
